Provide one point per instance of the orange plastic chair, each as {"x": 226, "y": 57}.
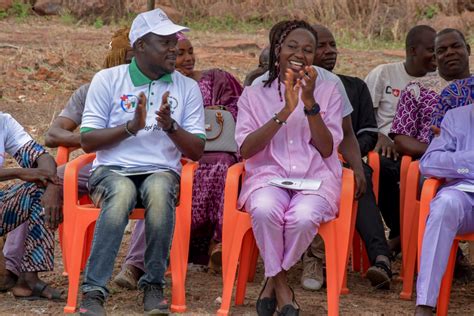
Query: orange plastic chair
{"x": 358, "y": 246}
{"x": 404, "y": 166}
{"x": 62, "y": 157}
{"x": 409, "y": 227}
{"x": 430, "y": 188}
{"x": 239, "y": 247}
{"x": 79, "y": 217}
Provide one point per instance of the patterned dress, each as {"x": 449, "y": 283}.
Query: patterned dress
{"x": 21, "y": 203}
{"x": 415, "y": 107}
{"x": 458, "y": 93}
{"x": 218, "y": 88}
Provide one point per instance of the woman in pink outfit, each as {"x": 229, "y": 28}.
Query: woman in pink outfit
{"x": 289, "y": 128}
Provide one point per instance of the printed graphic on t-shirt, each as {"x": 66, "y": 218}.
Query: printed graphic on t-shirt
{"x": 173, "y": 102}
{"x": 129, "y": 102}
{"x": 392, "y": 91}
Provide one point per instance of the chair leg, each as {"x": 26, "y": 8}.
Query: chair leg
{"x": 409, "y": 261}
{"x": 253, "y": 264}
{"x": 345, "y": 289}
{"x": 179, "y": 265}
{"x": 244, "y": 267}
{"x": 75, "y": 258}
{"x": 62, "y": 243}
{"x": 89, "y": 237}
{"x": 231, "y": 253}
{"x": 332, "y": 273}
{"x": 356, "y": 244}
{"x": 409, "y": 251}
{"x": 445, "y": 289}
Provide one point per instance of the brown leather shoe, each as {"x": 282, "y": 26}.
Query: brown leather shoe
{"x": 128, "y": 277}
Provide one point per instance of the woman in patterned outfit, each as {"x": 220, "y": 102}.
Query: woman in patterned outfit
{"x": 218, "y": 88}
{"x": 21, "y": 202}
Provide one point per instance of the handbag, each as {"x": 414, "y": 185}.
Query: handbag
{"x": 220, "y": 130}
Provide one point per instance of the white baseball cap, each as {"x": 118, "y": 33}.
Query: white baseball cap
{"x": 154, "y": 21}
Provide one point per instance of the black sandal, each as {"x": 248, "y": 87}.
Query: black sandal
{"x": 380, "y": 275}
{"x": 292, "y": 309}
{"x": 37, "y": 293}
{"x": 266, "y": 306}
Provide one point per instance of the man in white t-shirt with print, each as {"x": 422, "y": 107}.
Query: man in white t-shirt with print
{"x": 139, "y": 119}
{"x": 385, "y": 83}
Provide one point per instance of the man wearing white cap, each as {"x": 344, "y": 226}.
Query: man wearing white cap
{"x": 139, "y": 119}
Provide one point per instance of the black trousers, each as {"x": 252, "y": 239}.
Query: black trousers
{"x": 369, "y": 223}
{"x": 389, "y": 194}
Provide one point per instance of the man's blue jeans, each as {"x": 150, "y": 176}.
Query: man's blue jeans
{"x": 117, "y": 196}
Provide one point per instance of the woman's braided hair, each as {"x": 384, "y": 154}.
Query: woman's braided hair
{"x": 277, "y": 36}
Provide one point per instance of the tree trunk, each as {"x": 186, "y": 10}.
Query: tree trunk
{"x": 150, "y": 5}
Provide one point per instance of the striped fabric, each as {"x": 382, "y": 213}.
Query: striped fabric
{"x": 22, "y": 203}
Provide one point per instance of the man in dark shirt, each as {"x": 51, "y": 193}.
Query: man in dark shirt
{"x": 369, "y": 222}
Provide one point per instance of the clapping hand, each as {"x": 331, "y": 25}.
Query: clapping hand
{"x": 292, "y": 90}
{"x": 139, "y": 119}
{"x": 163, "y": 115}
{"x": 308, "y": 84}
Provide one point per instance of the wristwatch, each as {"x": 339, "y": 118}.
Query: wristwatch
{"x": 173, "y": 128}
{"x": 314, "y": 110}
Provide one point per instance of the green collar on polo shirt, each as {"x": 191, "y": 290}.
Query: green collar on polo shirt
{"x": 140, "y": 79}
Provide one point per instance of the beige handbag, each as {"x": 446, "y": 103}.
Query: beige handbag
{"x": 220, "y": 130}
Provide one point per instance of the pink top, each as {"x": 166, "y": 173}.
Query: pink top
{"x": 290, "y": 153}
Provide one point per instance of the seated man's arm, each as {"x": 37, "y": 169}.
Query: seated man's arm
{"x": 442, "y": 160}
{"x": 61, "y": 133}
{"x": 367, "y": 124}
{"x": 95, "y": 135}
{"x": 407, "y": 145}
{"x": 96, "y": 139}
{"x": 349, "y": 149}
{"x": 410, "y": 124}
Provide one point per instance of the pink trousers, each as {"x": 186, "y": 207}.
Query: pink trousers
{"x": 284, "y": 223}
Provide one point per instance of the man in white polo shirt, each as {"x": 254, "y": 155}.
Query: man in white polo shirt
{"x": 139, "y": 119}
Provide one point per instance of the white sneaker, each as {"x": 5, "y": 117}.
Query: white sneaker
{"x": 312, "y": 278}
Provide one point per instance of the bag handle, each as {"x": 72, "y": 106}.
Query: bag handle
{"x": 220, "y": 122}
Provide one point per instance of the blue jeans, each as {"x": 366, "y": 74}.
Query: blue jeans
{"x": 117, "y": 196}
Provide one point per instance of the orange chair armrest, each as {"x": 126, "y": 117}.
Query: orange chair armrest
{"x": 232, "y": 186}
{"x": 71, "y": 173}
{"x": 430, "y": 188}
{"x": 347, "y": 196}
{"x": 187, "y": 178}
{"x": 62, "y": 156}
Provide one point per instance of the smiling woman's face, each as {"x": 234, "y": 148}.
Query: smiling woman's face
{"x": 186, "y": 59}
{"x": 297, "y": 51}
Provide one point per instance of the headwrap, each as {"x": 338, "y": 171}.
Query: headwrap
{"x": 118, "y": 47}
{"x": 181, "y": 36}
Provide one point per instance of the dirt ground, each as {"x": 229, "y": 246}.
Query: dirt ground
{"x": 42, "y": 61}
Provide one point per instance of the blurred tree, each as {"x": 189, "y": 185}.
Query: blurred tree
{"x": 150, "y": 5}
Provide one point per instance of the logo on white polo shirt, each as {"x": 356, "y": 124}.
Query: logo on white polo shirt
{"x": 173, "y": 102}
{"x": 129, "y": 102}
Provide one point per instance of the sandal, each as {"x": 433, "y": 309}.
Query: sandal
{"x": 292, "y": 309}
{"x": 266, "y": 306}
{"x": 380, "y": 275}
{"x": 38, "y": 290}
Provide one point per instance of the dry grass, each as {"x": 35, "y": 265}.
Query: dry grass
{"x": 385, "y": 19}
